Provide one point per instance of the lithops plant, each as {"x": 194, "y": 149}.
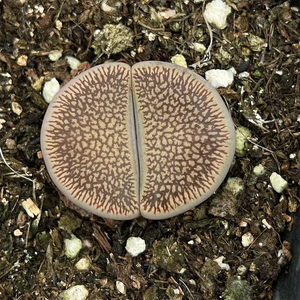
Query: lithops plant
{"x": 154, "y": 140}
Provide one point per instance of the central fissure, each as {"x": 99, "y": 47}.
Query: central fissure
{"x": 153, "y": 139}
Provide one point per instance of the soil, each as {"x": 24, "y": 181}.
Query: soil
{"x": 196, "y": 255}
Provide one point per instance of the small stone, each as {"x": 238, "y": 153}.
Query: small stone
{"x": 50, "y": 89}
{"x": 54, "y": 56}
{"x": 58, "y": 25}
{"x": 10, "y": 144}
{"x": 252, "y": 267}
{"x": 179, "y": 60}
{"x": 2, "y": 121}
{"x": 242, "y": 270}
{"x": 243, "y": 67}
{"x": 78, "y": 292}
{"x": 243, "y": 224}
{"x": 167, "y": 14}
{"x": 242, "y": 143}
{"x": 192, "y": 282}
{"x": 39, "y": 154}
{"x": 150, "y": 35}
{"x": 222, "y": 265}
{"x": 121, "y": 287}
{"x": 259, "y": 170}
{"x": 18, "y": 232}
{"x": 37, "y": 85}
{"x": 266, "y": 224}
{"x": 220, "y": 78}
{"x": 110, "y": 8}
{"x": 243, "y": 75}
{"x": 199, "y": 47}
{"x": 216, "y": 13}
{"x": 83, "y": 264}
{"x": 135, "y": 246}
{"x": 22, "y": 60}
{"x": 73, "y": 62}
{"x": 39, "y": 8}
{"x": 72, "y": 246}
{"x": 16, "y": 108}
{"x": 293, "y": 204}
{"x": 234, "y": 185}
{"x": 247, "y": 239}
{"x": 278, "y": 183}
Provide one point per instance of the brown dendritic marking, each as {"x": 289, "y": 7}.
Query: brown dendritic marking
{"x": 87, "y": 141}
{"x": 186, "y": 138}
{"x": 176, "y": 157}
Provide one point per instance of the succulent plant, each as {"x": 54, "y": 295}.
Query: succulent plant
{"x": 154, "y": 140}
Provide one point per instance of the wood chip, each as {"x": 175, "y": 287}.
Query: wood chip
{"x": 30, "y": 207}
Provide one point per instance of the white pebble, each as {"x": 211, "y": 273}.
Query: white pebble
{"x": 135, "y": 246}
{"x": 216, "y": 13}
{"x": 16, "y": 108}
{"x": 219, "y": 78}
{"x": 241, "y": 270}
{"x": 243, "y": 223}
{"x": 278, "y": 183}
{"x": 50, "y": 89}
{"x": 58, "y": 24}
{"x": 222, "y": 265}
{"x": 72, "y": 246}
{"x": 2, "y": 121}
{"x": 244, "y": 75}
{"x": 73, "y": 62}
{"x": 266, "y": 224}
{"x": 179, "y": 60}
{"x": 247, "y": 239}
{"x": 151, "y": 36}
{"x": 54, "y": 56}
{"x": 78, "y": 292}
{"x": 83, "y": 264}
{"x": 199, "y": 47}
{"x": 259, "y": 170}
{"x": 192, "y": 282}
{"x": 18, "y": 232}
{"x": 167, "y": 14}
{"x": 39, "y": 8}
{"x": 22, "y": 60}
{"x": 121, "y": 287}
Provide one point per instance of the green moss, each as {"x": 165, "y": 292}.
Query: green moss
{"x": 69, "y": 222}
{"x": 237, "y": 289}
{"x": 168, "y": 255}
{"x": 113, "y": 39}
{"x": 242, "y": 143}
